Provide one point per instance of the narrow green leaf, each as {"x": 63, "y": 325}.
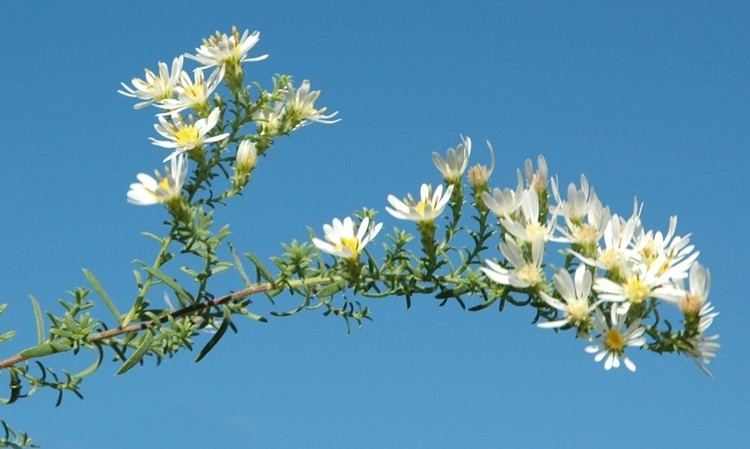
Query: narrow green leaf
{"x": 239, "y": 267}
{"x": 136, "y": 357}
{"x": 7, "y": 336}
{"x": 259, "y": 266}
{"x": 184, "y": 297}
{"x": 39, "y": 320}
{"x": 94, "y": 366}
{"x": 97, "y": 286}
{"x": 217, "y": 336}
{"x": 46, "y": 349}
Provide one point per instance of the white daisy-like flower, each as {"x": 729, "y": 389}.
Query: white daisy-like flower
{"x": 162, "y": 189}
{"x": 575, "y": 298}
{"x": 503, "y": 202}
{"x": 576, "y": 206}
{"x": 184, "y": 136}
{"x": 154, "y": 87}
{"x": 455, "y": 162}
{"x": 479, "y": 174}
{"x": 637, "y": 283}
{"x": 612, "y": 339}
{"x": 299, "y": 106}
{"x": 536, "y": 179}
{"x": 524, "y": 274}
{"x": 269, "y": 119}
{"x": 674, "y": 253}
{"x": 342, "y": 241}
{"x": 690, "y": 301}
{"x": 617, "y": 252}
{"x": 223, "y": 49}
{"x": 192, "y": 93}
{"x": 430, "y": 205}
{"x": 526, "y": 225}
{"x": 247, "y": 155}
{"x": 703, "y": 351}
{"x": 585, "y": 230}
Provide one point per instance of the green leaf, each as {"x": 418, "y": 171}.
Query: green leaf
{"x": 97, "y": 286}
{"x": 217, "y": 336}
{"x": 239, "y": 267}
{"x": 46, "y": 349}
{"x": 184, "y": 297}
{"x": 262, "y": 272}
{"x": 142, "y": 349}
{"x": 94, "y": 366}
{"x": 7, "y": 336}
{"x": 39, "y": 320}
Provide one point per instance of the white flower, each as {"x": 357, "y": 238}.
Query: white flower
{"x": 637, "y": 283}
{"x": 223, "y": 49}
{"x": 585, "y": 230}
{"x": 524, "y": 274}
{"x": 269, "y": 119}
{"x": 536, "y": 180}
{"x": 154, "y": 87}
{"x": 300, "y": 106}
{"x": 618, "y": 235}
{"x": 613, "y": 340}
{"x": 184, "y": 136}
{"x": 575, "y": 304}
{"x": 674, "y": 253}
{"x": 161, "y": 189}
{"x": 479, "y": 174}
{"x": 693, "y": 300}
{"x": 455, "y": 162}
{"x": 704, "y": 351}
{"x": 247, "y": 155}
{"x": 429, "y": 206}
{"x": 192, "y": 94}
{"x": 577, "y": 204}
{"x": 526, "y": 226}
{"x": 341, "y": 240}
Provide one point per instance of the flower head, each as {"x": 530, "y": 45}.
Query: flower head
{"x": 162, "y": 189}
{"x": 246, "y": 157}
{"x": 429, "y": 206}
{"x": 527, "y": 226}
{"x": 455, "y": 162}
{"x": 479, "y": 174}
{"x": 299, "y": 105}
{"x": 192, "y": 93}
{"x": 524, "y": 273}
{"x": 613, "y": 339}
{"x": 342, "y": 241}
{"x": 184, "y": 136}
{"x": 226, "y": 50}
{"x": 154, "y": 88}
{"x": 575, "y": 298}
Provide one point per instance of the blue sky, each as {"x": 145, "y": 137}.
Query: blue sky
{"x": 649, "y": 100}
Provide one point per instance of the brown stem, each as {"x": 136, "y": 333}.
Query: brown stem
{"x": 188, "y": 310}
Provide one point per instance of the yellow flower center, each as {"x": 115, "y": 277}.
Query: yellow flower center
{"x": 187, "y": 136}
{"x": 529, "y": 274}
{"x": 423, "y": 208}
{"x": 636, "y": 291}
{"x": 610, "y": 258}
{"x": 614, "y": 341}
{"x": 650, "y": 252}
{"x": 578, "y": 311}
{"x": 691, "y": 304}
{"x": 352, "y": 244}
{"x": 534, "y": 230}
{"x": 585, "y": 233}
{"x": 196, "y": 92}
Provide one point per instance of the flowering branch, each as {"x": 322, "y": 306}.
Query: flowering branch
{"x": 619, "y": 286}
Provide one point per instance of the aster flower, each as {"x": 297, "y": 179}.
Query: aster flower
{"x": 479, "y": 174}
{"x": 192, "y": 93}
{"x": 269, "y": 119}
{"x": 585, "y": 230}
{"x": 675, "y": 254}
{"x": 342, "y": 241}
{"x": 637, "y": 283}
{"x": 162, "y": 189}
{"x": 223, "y": 49}
{"x": 617, "y": 251}
{"x": 704, "y": 351}
{"x": 691, "y": 301}
{"x": 299, "y": 105}
{"x": 575, "y": 298}
{"x": 455, "y": 162}
{"x": 154, "y": 87}
{"x": 523, "y": 274}
{"x": 613, "y": 340}
{"x": 526, "y": 225}
{"x": 430, "y": 205}
{"x": 184, "y": 136}
{"x": 503, "y": 202}
{"x": 577, "y": 204}
{"x": 246, "y": 157}
{"x": 536, "y": 179}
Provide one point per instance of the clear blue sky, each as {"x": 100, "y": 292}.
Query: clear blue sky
{"x": 647, "y": 99}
